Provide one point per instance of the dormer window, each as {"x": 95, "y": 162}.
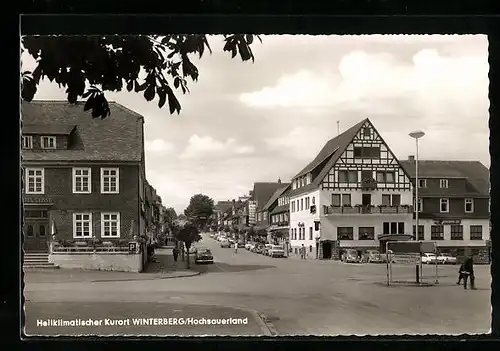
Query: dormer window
{"x": 27, "y": 142}
{"x": 443, "y": 183}
{"x": 48, "y": 142}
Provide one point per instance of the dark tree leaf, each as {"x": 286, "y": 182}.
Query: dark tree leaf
{"x": 176, "y": 82}
{"x": 29, "y": 89}
{"x": 87, "y": 94}
{"x": 72, "y": 97}
{"x": 140, "y": 87}
{"x": 249, "y": 38}
{"x": 244, "y": 51}
{"x": 130, "y": 85}
{"x": 89, "y": 103}
{"x": 234, "y": 52}
{"x": 149, "y": 93}
{"x": 173, "y": 103}
{"x": 163, "y": 98}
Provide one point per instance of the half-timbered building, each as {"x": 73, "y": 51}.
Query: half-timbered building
{"x": 353, "y": 193}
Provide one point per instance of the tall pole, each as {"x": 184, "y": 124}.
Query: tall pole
{"x": 338, "y": 127}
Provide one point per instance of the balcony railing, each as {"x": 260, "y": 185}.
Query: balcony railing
{"x": 345, "y": 210}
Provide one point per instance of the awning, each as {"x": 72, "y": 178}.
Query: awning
{"x": 396, "y": 237}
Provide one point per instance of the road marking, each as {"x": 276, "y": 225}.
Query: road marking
{"x": 222, "y": 269}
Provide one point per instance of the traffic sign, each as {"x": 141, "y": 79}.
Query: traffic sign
{"x": 406, "y": 258}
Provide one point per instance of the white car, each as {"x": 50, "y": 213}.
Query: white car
{"x": 446, "y": 258}
{"x": 248, "y": 246}
{"x": 276, "y": 251}
{"x": 429, "y": 258}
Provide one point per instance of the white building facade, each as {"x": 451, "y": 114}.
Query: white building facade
{"x": 359, "y": 192}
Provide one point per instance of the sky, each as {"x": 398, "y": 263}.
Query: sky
{"x": 245, "y": 122}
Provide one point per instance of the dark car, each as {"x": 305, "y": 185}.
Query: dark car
{"x": 203, "y": 255}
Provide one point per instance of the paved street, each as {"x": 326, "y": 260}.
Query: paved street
{"x": 301, "y": 297}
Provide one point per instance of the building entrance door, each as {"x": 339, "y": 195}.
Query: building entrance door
{"x": 327, "y": 250}
{"x": 36, "y": 230}
{"x": 366, "y": 199}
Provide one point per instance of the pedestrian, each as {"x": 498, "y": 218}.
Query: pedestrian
{"x": 469, "y": 272}
{"x": 175, "y": 253}
{"x": 303, "y": 252}
{"x": 461, "y": 273}
{"x": 235, "y": 247}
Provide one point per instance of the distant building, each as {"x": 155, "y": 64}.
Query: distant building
{"x": 453, "y": 205}
{"x": 262, "y": 192}
{"x": 278, "y": 212}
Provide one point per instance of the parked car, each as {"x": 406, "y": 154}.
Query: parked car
{"x": 241, "y": 244}
{"x": 248, "y": 246}
{"x": 225, "y": 243}
{"x": 350, "y": 256}
{"x": 371, "y": 256}
{"x": 383, "y": 257}
{"x": 266, "y": 249}
{"x": 212, "y": 235}
{"x": 259, "y": 248}
{"x": 446, "y": 258}
{"x": 276, "y": 251}
{"x": 203, "y": 255}
{"x": 429, "y": 258}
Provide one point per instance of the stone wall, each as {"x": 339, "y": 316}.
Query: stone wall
{"x": 121, "y": 262}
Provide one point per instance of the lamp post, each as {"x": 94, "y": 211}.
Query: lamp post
{"x": 416, "y": 135}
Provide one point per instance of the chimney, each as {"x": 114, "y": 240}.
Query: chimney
{"x": 279, "y": 180}
{"x": 411, "y": 158}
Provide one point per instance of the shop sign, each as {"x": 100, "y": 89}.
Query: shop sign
{"x": 37, "y": 200}
{"x": 448, "y": 221}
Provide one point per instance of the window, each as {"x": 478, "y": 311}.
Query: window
{"x": 386, "y": 200}
{"x": 396, "y": 200}
{"x": 476, "y": 232}
{"x": 420, "y": 232}
{"x": 385, "y": 177}
{"x": 81, "y": 180}
{"x": 346, "y": 199}
{"x": 307, "y": 202}
{"x": 82, "y": 225}
{"x": 469, "y": 205}
{"x": 366, "y": 174}
{"x": 366, "y": 152}
{"x": 401, "y": 227}
{"x": 35, "y": 181}
{"x": 313, "y": 200}
{"x": 386, "y": 228}
{"x": 29, "y": 230}
{"x": 345, "y": 233}
{"x": 394, "y": 228}
{"x": 310, "y": 248}
{"x": 457, "y": 232}
{"x": 265, "y": 215}
{"x": 301, "y": 204}
{"x": 310, "y": 233}
{"x": 420, "y": 204}
{"x": 110, "y": 225}
{"x": 444, "y": 205}
{"x": 48, "y": 142}
{"x": 437, "y": 232}
{"x": 27, "y": 142}
{"x": 443, "y": 183}
{"x": 110, "y": 180}
{"x": 348, "y": 176}
{"x": 422, "y": 183}
{"x": 293, "y": 206}
{"x": 298, "y": 205}
{"x": 41, "y": 230}
{"x": 367, "y": 132}
{"x": 336, "y": 200}
{"x": 366, "y": 233}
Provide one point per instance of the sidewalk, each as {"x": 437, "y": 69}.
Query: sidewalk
{"x": 163, "y": 269}
{"x": 140, "y": 318}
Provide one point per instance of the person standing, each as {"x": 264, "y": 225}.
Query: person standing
{"x": 461, "y": 273}
{"x": 469, "y": 272}
{"x": 175, "y": 253}
{"x": 303, "y": 252}
{"x": 236, "y": 247}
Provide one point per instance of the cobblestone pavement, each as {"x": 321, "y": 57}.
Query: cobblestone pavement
{"x": 307, "y": 297}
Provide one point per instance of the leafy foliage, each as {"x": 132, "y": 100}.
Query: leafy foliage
{"x": 169, "y": 217}
{"x": 87, "y": 66}
{"x": 200, "y": 208}
{"x": 187, "y": 232}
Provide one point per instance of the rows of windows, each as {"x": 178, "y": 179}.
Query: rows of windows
{"x": 456, "y": 231}
{"x": 444, "y": 205}
{"x": 46, "y": 142}
{"x": 303, "y": 204}
{"x": 301, "y": 181}
{"x": 347, "y": 233}
{"x": 81, "y": 179}
{"x": 284, "y": 200}
{"x": 346, "y": 176}
{"x": 110, "y": 225}
{"x": 443, "y": 183}
{"x": 345, "y": 199}
{"x": 301, "y": 233}
{"x": 279, "y": 218}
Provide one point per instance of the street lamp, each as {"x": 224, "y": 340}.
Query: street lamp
{"x": 416, "y": 135}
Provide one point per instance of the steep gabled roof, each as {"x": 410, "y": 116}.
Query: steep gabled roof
{"x": 118, "y": 137}
{"x": 223, "y": 206}
{"x": 477, "y": 175}
{"x": 262, "y": 192}
{"x": 336, "y": 145}
{"x": 328, "y": 156}
{"x": 275, "y": 196}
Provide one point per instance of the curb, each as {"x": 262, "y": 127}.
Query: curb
{"x": 186, "y": 275}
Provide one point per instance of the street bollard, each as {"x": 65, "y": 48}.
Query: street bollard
{"x": 417, "y": 274}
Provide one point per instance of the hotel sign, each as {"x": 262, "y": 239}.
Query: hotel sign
{"x": 37, "y": 200}
{"x": 447, "y": 222}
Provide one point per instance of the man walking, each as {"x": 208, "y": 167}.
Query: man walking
{"x": 236, "y": 247}
{"x": 461, "y": 273}
{"x": 303, "y": 252}
{"x": 469, "y": 272}
{"x": 175, "y": 253}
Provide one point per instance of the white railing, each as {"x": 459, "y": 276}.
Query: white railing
{"x": 367, "y": 210}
